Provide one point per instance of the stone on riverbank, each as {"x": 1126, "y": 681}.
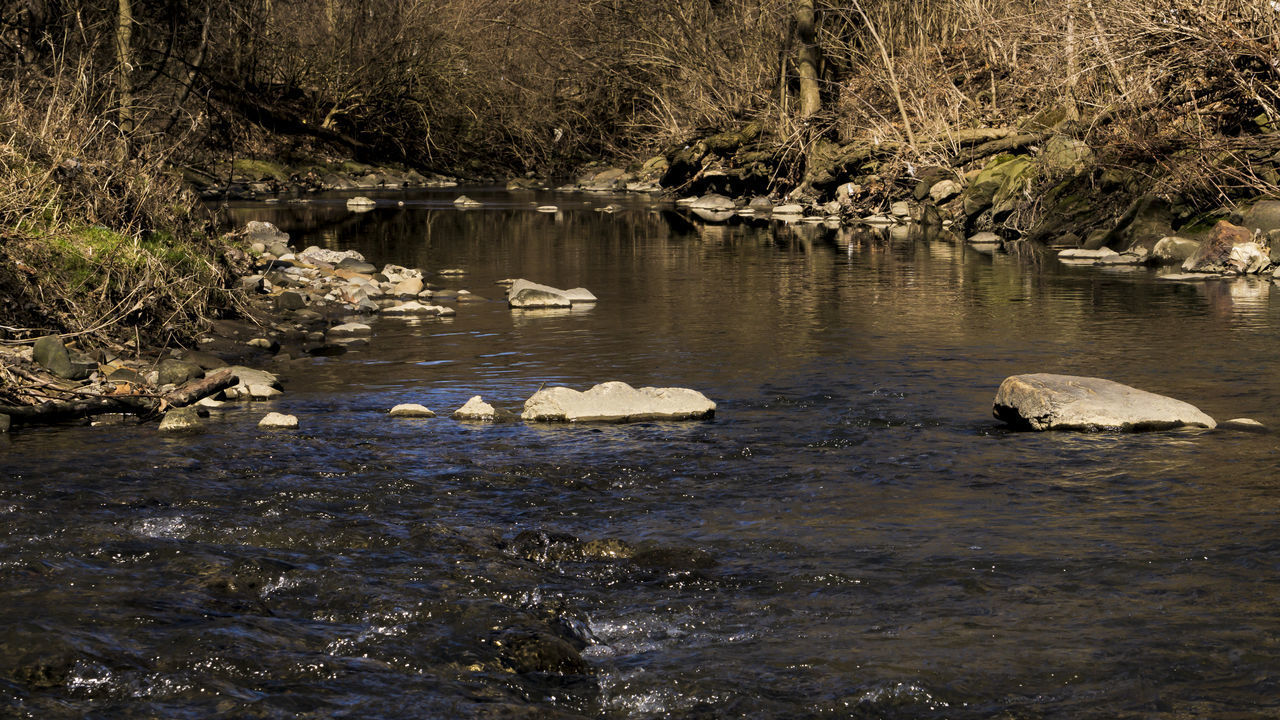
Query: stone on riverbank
{"x": 617, "y": 402}
{"x": 317, "y": 255}
{"x": 1173, "y": 250}
{"x": 477, "y": 410}
{"x": 275, "y": 420}
{"x": 51, "y": 354}
{"x": 250, "y": 378}
{"x": 411, "y": 410}
{"x": 1044, "y": 401}
{"x": 1215, "y": 254}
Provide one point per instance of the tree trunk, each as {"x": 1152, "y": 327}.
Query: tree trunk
{"x": 124, "y": 66}
{"x": 807, "y": 59}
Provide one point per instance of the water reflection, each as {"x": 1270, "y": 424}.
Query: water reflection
{"x": 853, "y": 535}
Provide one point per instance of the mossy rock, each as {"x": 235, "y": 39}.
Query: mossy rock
{"x": 1062, "y": 154}
{"x": 246, "y": 169}
{"x": 999, "y": 181}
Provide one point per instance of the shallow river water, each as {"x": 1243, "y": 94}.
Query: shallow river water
{"x": 853, "y": 535}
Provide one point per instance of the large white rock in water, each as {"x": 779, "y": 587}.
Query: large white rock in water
{"x": 525, "y": 294}
{"x": 616, "y": 402}
{"x": 1042, "y": 401}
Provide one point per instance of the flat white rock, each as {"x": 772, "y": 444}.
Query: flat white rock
{"x": 348, "y": 329}
{"x": 1042, "y": 401}
{"x": 278, "y": 420}
{"x": 411, "y": 410}
{"x": 616, "y": 402}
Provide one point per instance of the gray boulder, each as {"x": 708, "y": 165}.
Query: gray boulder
{"x": 1042, "y": 401}
{"x": 256, "y": 231}
{"x": 617, "y": 402}
{"x": 1264, "y": 216}
{"x": 177, "y": 372}
{"x": 53, "y": 355}
{"x": 1173, "y": 250}
{"x": 943, "y": 191}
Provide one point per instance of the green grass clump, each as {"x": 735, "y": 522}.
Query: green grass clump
{"x": 97, "y": 235}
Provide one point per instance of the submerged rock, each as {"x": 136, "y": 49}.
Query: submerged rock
{"x": 413, "y": 307}
{"x": 529, "y": 651}
{"x": 349, "y": 329}
{"x": 463, "y": 201}
{"x": 1244, "y": 425}
{"x": 1043, "y": 401}
{"x": 616, "y": 402}
{"x": 360, "y": 203}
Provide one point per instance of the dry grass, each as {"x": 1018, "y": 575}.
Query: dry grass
{"x": 99, "y": 238}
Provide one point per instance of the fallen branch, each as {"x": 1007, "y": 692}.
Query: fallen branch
{"x": 144, "y": 406}
{"x": 194, "y": 392}
{"x": 995, "y": 147}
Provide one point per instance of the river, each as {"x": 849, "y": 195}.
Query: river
{"x": 853, "y": 535}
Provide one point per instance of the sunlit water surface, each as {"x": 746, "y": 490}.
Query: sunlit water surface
{"x": 852, "y": 535}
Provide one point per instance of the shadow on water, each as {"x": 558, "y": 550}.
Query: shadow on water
{"x": 852, "y": 535}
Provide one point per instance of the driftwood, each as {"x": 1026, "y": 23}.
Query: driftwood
{"x": 145, "y": 406}
{"x": 987, "y": 149}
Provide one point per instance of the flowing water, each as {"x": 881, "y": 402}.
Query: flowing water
{"x": 853, "y": 535}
